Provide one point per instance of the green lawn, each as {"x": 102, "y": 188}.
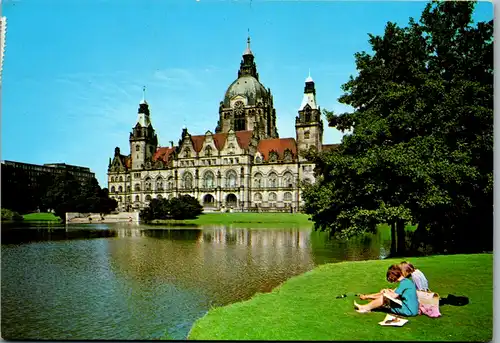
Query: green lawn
{"x": 305, "y": 307}
{"x": 43, "y": 216}
{"x": 242, "y": 219}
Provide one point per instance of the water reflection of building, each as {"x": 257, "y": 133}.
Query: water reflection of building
{"x": 224, "y": 263}
{"x": 130, "y": 232}
{"x": 251, "y": 237}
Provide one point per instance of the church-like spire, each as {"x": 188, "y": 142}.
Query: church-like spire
{"x": 309, "y": 94}
{"x": 247, "y": 50}
{"x": 247, "y": 65}
{"x": 143, "y": 112}
{"x": 143, "y": 101}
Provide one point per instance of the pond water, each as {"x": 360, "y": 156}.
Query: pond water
{"x": 137, "y": 282}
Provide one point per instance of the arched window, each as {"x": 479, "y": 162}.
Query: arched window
{"x": 148, "y": 197}
{"x": 119, "y": 199}
{"x": 188, "y": 180}
{"x": 258, "y": 159}
{"x": 137, "y": 187}
{"x": 121, "y": 178}
{"x": 272, "y": 196}
{"x": 257, "y": 180}
{"x": 159, "y": 183}
{"x": 257, "y": 197}
{"x": 137, "y": 198}
{"x": 170, "y": 183}
{"x": 288, "y": 180}
{"x": 159, "y": 196}
{"x": 209, "y": 180}
{"x": 273, "y": 180}
{"x": 120, "y": 189}
{"x": 112, "y": 189}
{"x": 307, "y": 135}
{"x": 128, "y": 189}
{"x": 308, "y": 115}
{"x": 231, "y": 178}
{"x": 128, "y": 177}
{"x": 307, "y": 181}
{"x": 137, "y": 147}
{"x": 187, "y": 153}
{"x": 128, "y": 198}
{"x": 147, "y": 184}
{"x": 112, "y": 179}
{"x": 208, "y": 151}
{"x": 288, "y": 196}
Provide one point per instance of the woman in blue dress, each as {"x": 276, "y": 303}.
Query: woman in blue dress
{"x": 406, "y": 292}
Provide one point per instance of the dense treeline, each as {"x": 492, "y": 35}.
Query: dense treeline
{"x": 62, "y": 193}
{"x": 419, "y": 147}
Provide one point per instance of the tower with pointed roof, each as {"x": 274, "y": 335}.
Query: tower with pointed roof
{"x": 247, "y": 104}
{"x": 308, "y": 124}
{"x": 143, "y": 139}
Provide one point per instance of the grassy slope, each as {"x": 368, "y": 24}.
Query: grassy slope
{"x": 305, "y": 308}
{"x": 266, "y": 219}
{"x": 43, "y": 216}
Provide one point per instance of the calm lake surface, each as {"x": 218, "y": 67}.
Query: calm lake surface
{"x": 137, "y": 282}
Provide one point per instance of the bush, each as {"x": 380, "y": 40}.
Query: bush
{"x": 183, "y": 207}
{"x": 11, "y": 215}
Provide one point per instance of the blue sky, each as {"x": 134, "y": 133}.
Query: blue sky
{"x": 74, "y": 69}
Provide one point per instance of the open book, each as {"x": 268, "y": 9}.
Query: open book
{"x": 390, "y": 320}
{"x": 397, "y": 301}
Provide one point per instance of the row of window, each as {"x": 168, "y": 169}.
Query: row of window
{"x": 209, "y": 181}
{"x": 210, "y": 162}
{"x": 257, "y": 197}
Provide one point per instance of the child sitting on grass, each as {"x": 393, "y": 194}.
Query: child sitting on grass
{"x": 416, "y": 275}
{"x": 406, "y": 292}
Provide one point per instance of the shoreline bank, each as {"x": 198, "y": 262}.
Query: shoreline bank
{"x": 305, "y": 307}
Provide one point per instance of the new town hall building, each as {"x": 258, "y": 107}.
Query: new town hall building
{"x": 243, "y": 165}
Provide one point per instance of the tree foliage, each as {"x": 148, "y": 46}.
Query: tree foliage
{"x": 66, "y": 194}
{"x": 183, "y": 207}
{"x": 420, "y": 146}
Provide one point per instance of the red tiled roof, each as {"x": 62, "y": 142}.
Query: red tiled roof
{"x": 198, "y": 142}
{"x": 277, "y": 144}
{"x": 163, "y": 154}
{"x": 243, "y": 138}
{"x": 127, "y": 162}
{"x": 220, "y": 139}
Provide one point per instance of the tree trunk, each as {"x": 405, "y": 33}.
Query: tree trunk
{"x": 393, "y": 239}
{"x": 400, "y": 227}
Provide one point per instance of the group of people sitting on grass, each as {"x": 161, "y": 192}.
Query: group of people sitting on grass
{"x": 410, "y": 281}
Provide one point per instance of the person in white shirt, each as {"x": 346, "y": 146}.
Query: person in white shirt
{"x": 416, "y": 275}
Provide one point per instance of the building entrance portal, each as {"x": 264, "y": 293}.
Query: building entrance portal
{"x": 231, "y": 201}
{"x": 208, "y": 201}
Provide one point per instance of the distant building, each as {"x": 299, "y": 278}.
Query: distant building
{"x": 243, "y": 165}
{"x": 3, "y": 29}
{"x": 24, "y": 185}
{"x": 35, "y": 171}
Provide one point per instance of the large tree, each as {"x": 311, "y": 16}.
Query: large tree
{"x": 420, "y": 147}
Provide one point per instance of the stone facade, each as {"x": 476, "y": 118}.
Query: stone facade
{"x": 243, "y": 165}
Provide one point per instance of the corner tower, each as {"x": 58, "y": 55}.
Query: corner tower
{"x": 247, "y": 104}
{"x": 308, "y": 124}
{"x": 143, "y": 140}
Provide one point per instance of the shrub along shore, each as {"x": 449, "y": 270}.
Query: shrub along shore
{"x": 305, "y": 307}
